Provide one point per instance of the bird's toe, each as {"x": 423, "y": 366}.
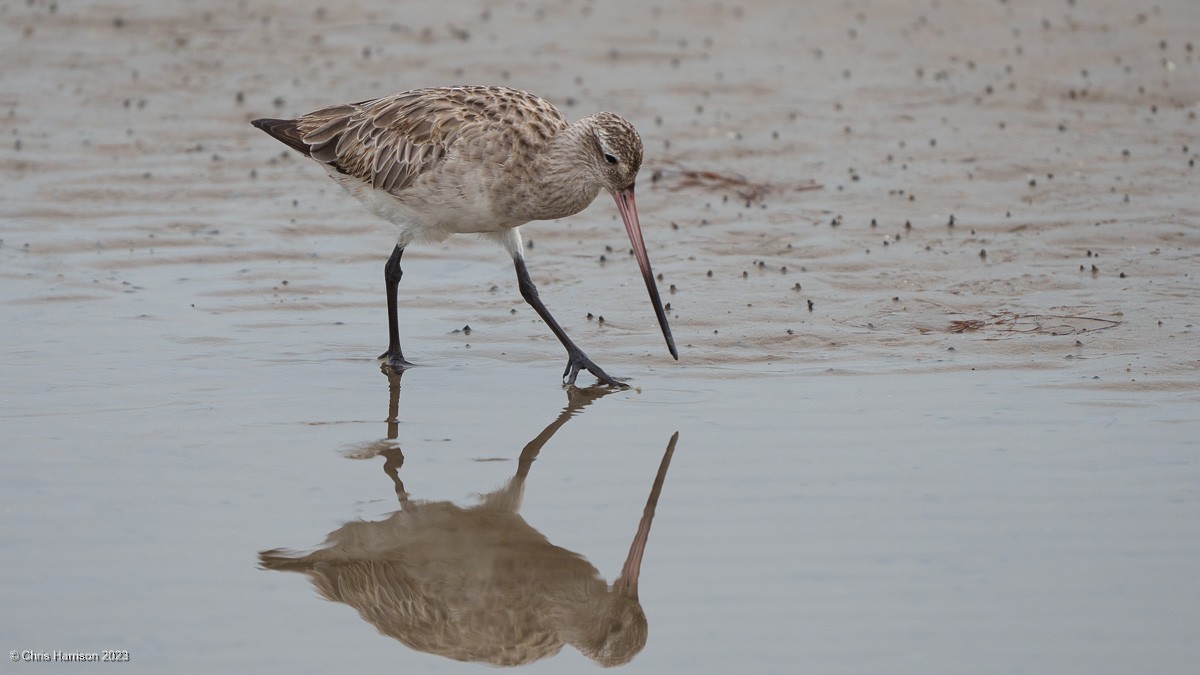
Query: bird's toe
{"x": 578, "y": 362}
{"x": 395, "y": 362}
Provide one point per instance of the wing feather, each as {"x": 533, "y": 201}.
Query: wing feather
{"x": 389, "y": 142}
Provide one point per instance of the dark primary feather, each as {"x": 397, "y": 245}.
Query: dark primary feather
{"x": 284, "y": 131}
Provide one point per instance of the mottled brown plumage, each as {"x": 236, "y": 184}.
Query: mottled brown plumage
{"x": 389, "y": 142}
{"x": 475, "y": 160}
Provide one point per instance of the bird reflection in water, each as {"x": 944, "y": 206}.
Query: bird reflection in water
{"x": 479, "y": 583}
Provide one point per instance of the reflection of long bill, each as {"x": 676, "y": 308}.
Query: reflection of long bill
{"x": 628, "y": 210}
{"x": 627, "y": 583}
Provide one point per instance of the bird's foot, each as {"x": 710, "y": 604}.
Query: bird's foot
{"x": 577, "y": 361}
{"x": 581, "y": 397}
{"x": 395, "y": 361}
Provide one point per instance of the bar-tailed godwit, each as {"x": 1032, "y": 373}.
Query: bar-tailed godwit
{"x": 477, "y": 160}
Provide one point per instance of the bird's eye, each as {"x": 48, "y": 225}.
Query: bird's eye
{"x": 611, "y": 159}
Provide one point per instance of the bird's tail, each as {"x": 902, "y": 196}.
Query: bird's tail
{"x": 284, "y": 559}
{"x": 286, "y": 132}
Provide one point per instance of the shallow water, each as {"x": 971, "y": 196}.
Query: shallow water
{"x": 974, "y": 451}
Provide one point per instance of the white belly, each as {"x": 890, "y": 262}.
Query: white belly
{"x": 427, "y": 213}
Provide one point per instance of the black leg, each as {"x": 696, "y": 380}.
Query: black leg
{"x": 391, "y": 279}
{"x": 576, "y": 359}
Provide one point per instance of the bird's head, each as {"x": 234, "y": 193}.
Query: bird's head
{"x": 615, "y": 156}
{"x": 616, "y": 633}
{"x": 616, "y": 151}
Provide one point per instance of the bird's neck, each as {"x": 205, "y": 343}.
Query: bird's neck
{"x": 562, "y": 181}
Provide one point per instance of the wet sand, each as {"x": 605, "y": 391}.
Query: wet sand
{"x": 932, "y": 273}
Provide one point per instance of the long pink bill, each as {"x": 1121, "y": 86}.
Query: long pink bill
{"x": 627, "y": 583}
{"x": 628, "y": 208}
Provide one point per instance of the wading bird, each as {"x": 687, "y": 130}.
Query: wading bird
{"x": 475, "y": 160}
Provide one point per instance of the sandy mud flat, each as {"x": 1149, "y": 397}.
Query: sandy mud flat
{"x": 931, "y": 266}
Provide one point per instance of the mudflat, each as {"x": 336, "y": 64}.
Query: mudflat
{"x": 931, "y": 268}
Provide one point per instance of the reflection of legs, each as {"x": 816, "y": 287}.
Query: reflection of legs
{"x": 387, "y": 448}
{"x": 391, "y": 278}
{"x": 393, "y": 418}
{"x": 577, "y": 400}
{"x": 576, "y": 359}
{"x": 393, "y": 459}
{"x": 509, "y": 498}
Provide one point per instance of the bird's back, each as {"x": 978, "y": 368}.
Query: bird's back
{"x": 391, "y": 142}
{"x": 473, "y": 584}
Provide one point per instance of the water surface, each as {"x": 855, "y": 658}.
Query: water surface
{"x": 904, "y": 445}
